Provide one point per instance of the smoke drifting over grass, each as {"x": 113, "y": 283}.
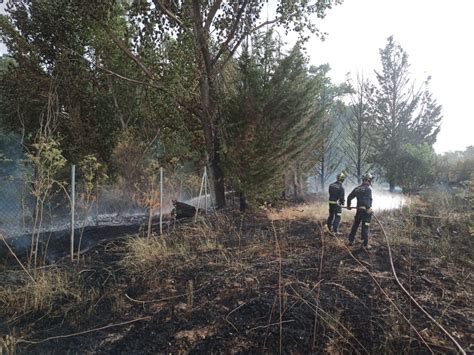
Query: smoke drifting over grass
{"x": 384, "y": 200}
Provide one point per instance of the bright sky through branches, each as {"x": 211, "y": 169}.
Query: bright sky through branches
{"x": 436, "y": 34}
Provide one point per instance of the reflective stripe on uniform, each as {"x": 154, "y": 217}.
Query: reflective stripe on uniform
{"x": 333, "y": 202}
{"x": 367, "y": 224}
{"x": 339, "y": 214}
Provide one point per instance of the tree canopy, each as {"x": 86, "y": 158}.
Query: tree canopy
{"x": 208, "y": 83}
{"x": 403, "y": 112}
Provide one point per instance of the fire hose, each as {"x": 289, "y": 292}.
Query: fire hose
{"x": 415, "y": 302}
{"x": 420, "y": 307}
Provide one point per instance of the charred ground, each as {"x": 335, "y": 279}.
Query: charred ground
{"x": 262, "y": 282}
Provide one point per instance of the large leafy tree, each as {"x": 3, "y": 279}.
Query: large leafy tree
{"x": 179, "y": 49}
{"x": 213, "y": 31}
{"x": 55, "y": 50}
{"x": 47, "y": 43}
{"x": 403, "y": 113}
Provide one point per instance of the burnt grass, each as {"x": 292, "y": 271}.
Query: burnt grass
{"x": 237, "y": 295}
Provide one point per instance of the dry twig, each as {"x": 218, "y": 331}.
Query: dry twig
{"x": 83, "y": 332}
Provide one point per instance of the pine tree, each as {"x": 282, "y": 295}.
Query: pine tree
{"x": 271, "y": 121}
{"x": 404, "y": 114}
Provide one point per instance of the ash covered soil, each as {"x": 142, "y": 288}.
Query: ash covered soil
{"x": 234, "y": 283}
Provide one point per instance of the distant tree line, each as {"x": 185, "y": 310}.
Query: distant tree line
{"x": 455, "y": 167}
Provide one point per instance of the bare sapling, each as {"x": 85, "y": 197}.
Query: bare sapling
{"x": 93, "y": 176}
{"x": 44, "y": 160}
{"x": 470, "y": 198}
{"x": 179, "y": 183}
{"x": 47, "y": 160}
{"x": 147, "y": 192}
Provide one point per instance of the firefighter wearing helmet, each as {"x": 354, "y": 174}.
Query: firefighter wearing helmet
{"x": 363, "y": 194}
{"x": 336, "y": 200}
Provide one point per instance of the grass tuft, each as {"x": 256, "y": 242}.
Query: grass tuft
{"x": 143, "y": 253}
{"x": 52, "y": 285}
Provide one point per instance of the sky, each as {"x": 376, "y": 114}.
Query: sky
{"x": 436, "y": 34}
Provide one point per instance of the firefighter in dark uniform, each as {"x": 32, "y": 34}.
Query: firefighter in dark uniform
{"x": 336, "y": 200}
{"x": 363, "y": 194}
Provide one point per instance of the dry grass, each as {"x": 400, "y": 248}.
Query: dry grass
{"x": 438, "y": 224}
{"x": 315, "y": 210}
{"x": 143, "y": 253}
{"x": 19, "y": 293}
{"x": 218, "y": 265}
{"x": 7, "y": 345}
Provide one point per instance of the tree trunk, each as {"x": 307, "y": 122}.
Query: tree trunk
{"x": 392, "y": 186}
{"x": 295, "y": 184}
{"x": 243, "y": 202}
{"x": 359, "y": 151}
{"x": 283, "y": 193}
{"x": 218, "y": 179}
{"x": 211, "y": 134}
{"x": 322, "y": 174}
{"x": 208, "y": 102}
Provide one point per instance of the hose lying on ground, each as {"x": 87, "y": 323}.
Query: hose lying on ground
{"x": 460, "y": 348}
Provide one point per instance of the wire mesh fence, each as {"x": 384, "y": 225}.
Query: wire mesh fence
{"x": 74, "y": 201}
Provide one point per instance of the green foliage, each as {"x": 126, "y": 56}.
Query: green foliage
{"x": 5, "y": 62}
{"x": 48, "y": 43}
{"x": 47, "y": 160}
{"x": 403, "y": 114}
{"x": 175, "y": 54}
{"x": 271, "y": 121}
{"x": 78, "y": 60}
{"x": 470, "y": 198}
{"x": 92, "y": 171}
{"x": 416, "y": 167}
{"x": 43, "y": 163}
{"x": 455, "y": 167}
{"x": 157, "y": 68}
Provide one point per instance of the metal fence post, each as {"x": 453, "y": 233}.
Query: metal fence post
{"x": 161, "y": 200}
{"x": 97, "y": 204}
{"x": 205, "y": 189}
{"x": 73, "y": 200}
{"x": 200, "y": 194}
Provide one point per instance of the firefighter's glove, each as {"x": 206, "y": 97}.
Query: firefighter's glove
{"x": 369, "y": 210}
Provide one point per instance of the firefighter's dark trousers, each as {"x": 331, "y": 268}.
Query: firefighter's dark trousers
{"x": 334, "y": 217}
{"x": 365, "y": 218}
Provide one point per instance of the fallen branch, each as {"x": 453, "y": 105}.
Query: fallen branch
{"x": 318, "y": 292}
{"x": 166, "y": 298}
{"x": 83, "y": 332}
{"x": 271, "y": 324}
